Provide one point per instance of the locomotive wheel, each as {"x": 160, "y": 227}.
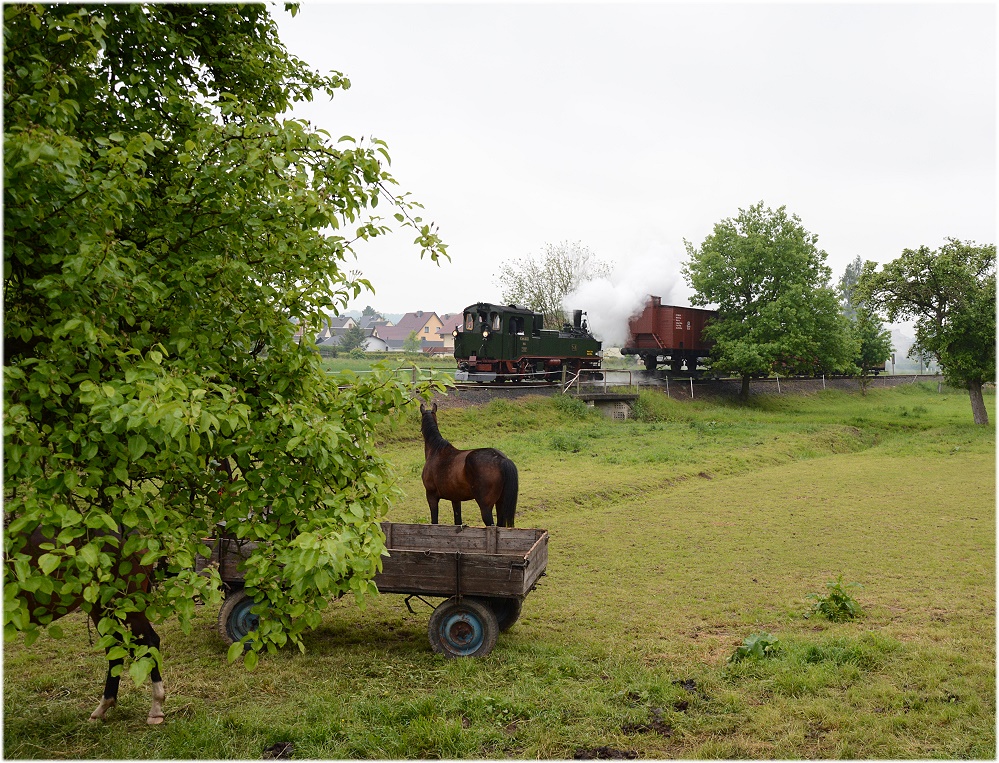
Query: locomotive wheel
{"x": 650, "y": 362}
{"x": 235, "y": 618}
{"x": 507, "y": 611}
{"x": 463, "y": 629}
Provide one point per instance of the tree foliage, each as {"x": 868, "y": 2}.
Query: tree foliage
{"x": 872, "y": 340}
{"x": 352, "y": 338}
{"x": 776, "y": 310}
{"x": 542, "y": 283}
{"x": 847, "y": 287}
{"x": 950, "y": 292}
{"x": 164, "y": 226}
{"x": 413, "y": 342}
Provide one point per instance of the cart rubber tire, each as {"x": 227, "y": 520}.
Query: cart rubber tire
{"x": 506, "y": 609}
{"x": 465, "y": 628}
{"x": 235, "y": 618}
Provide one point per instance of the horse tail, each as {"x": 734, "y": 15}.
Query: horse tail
{"x": 507, "y": 505}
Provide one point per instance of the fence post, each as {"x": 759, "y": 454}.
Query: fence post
{"x": 778, "y": 381}
{"x": 691, "y": 387}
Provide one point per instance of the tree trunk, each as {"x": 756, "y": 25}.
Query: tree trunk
{"x": 744, "y": 392}
{"x": 977, "y": 403}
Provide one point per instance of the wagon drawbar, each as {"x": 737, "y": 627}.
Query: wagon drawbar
{"x": 482, "y": 573}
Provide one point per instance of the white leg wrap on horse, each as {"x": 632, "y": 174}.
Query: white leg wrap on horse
{"x": 159, "y": 697}
{"x": 98, "y": 714}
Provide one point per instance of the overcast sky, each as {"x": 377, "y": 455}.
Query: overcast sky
{"x": 632, "y": 127}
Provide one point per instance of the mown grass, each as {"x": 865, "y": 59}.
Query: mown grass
{"x": 673, "y": 538}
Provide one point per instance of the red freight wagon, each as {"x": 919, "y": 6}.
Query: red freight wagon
{"x": 669, "y": 335}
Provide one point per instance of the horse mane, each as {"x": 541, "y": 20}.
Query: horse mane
{"x": 431, "y": 434}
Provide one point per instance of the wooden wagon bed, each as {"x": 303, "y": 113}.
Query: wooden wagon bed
{"x": 457, "y": 560}
{"x": 484, "y": 573}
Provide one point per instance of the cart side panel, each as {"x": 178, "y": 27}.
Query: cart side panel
{"x": 437, "y": 573}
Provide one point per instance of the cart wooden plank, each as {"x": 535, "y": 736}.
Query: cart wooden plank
{"x": 432, "y": 560}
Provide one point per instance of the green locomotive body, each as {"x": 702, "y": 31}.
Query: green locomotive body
{"x": 507, "y": 342}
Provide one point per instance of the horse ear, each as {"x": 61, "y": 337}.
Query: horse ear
{"x": 434, "y": 409}
{"x": 423, "y": 408}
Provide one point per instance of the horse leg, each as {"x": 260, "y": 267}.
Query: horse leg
{"x": 487, "y": 512}
{"x": 151, "y": 638}
{"x": 434, "y": 502}
{"x": 457, "y": 511}
{"x": 110, "y": 698}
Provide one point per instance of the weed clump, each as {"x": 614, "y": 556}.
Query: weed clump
{"x": 564, "y": 442}
{"x": 758, "y": 646}
{"x": 569, "y": 406}
{"x": 652, "y": 407}
{"x": 837, "y": 606}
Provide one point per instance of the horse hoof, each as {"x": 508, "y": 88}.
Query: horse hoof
{"x": 155, "y": 720}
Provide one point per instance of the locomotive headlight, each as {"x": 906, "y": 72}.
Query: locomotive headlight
{"x": 485, "y": 334}
{"x": 455, "y": 333}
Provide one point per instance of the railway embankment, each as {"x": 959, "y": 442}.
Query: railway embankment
{"x": 681, "y": 388}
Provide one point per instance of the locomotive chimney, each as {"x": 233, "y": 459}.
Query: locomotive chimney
{"x": 577, "y": 318}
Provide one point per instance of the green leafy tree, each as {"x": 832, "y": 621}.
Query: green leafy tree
{"x": 542, "y": 283}
{"x": 776, "y": 310}
{"x": 351, "y": 339}
{"x": 872, "y": 340}
{"x": 847, "y": 286}
{"x": 370, "y": 312}
{"x": 164, "y": 227}
{"x": 951, "y": 294}
{"x": 412, "y": 343}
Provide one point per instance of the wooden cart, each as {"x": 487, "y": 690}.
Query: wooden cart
{"x": 482, "y": 573}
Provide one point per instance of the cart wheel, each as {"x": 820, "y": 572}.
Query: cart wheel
{"x": 463, "y": 629}
{"x": 507, "y": 610}
{"x": 235, "y": 617}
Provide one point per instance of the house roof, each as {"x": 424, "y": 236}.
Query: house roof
{"x": 451, "y": 321}
{"x": 409, "y": 323}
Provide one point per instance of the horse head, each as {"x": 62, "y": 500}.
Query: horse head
{"x": 432, "y": 411}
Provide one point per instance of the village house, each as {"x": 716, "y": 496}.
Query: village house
{"x": 426, "y": 325}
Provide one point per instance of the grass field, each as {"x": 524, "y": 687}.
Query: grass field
{"x": 674, "y": 538}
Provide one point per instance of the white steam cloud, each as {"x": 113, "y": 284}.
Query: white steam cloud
{"x": 610, "y": 302}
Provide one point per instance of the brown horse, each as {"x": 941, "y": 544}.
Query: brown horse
{"x": 138, "y": 577}
{"x": 484, "y": 475}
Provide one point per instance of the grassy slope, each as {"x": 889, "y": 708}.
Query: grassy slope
{"x": 673, "y": 539}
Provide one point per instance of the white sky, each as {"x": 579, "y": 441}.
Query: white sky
{"x": 631, "y": 127}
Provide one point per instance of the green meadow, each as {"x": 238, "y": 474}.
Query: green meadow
{"x": 676, "y": 536}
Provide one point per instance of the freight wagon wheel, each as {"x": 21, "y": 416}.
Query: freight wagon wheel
{"x": 465, "y": 628}
{"x": 235, "y": 617}
{"x": 650, "y": 362}
{"x": 507, "y": 610}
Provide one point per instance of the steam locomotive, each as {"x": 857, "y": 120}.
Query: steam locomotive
{"x": 507, "y": 342}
